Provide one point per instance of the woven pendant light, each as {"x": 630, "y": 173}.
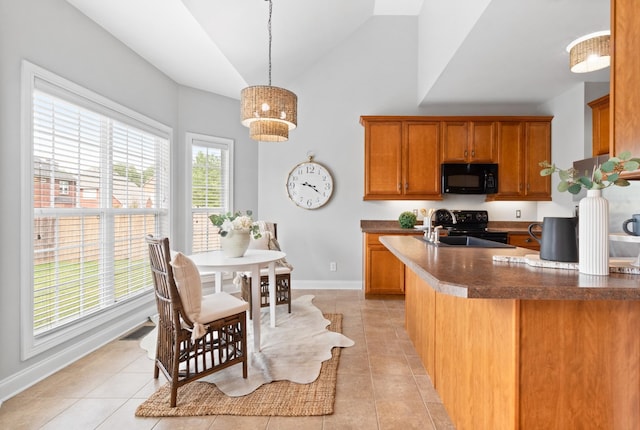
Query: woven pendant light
{"x": 269, "y": 112}
{"x": 590, "y": 52}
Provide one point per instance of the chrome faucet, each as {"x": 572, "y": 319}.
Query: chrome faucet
{"x": 433, "y": 235}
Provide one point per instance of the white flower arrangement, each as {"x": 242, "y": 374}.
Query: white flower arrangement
{"x": 236, "y": 221}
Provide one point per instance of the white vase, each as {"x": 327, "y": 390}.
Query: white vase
{"x": 235, "y": 243}
{"x": 593, "y": 234}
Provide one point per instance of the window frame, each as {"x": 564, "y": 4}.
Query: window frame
{"x": 214, "y": 142}
{"x": 34, "y": 76}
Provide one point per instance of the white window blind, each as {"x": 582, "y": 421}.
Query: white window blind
{"x": 211, "y": 173}
{"x": 100, "y": 185}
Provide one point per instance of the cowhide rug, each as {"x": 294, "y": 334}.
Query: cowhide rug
{"x": 293, "y": 350}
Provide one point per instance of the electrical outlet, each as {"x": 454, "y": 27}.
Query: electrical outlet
{"x": 518, "y": 213}
{"x": 333, "y": 266}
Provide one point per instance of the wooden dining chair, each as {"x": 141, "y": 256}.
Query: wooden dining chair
{"x": 269, "y": 240}
{"x": 197, "y": 335}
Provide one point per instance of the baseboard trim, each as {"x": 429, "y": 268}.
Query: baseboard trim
{"x": 297, "y": 284}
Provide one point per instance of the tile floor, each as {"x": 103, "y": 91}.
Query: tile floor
{"x": 381, "y": 383}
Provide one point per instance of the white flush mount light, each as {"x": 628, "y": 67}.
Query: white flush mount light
{"x": 590, "y": 52}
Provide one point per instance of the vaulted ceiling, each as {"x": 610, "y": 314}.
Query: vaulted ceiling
{"x": 514, "y": 51}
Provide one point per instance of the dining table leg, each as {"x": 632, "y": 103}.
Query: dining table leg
{"x": 255, "y": 305}
{"x": 272, "y": 293}
{"x": 218, "y": 275}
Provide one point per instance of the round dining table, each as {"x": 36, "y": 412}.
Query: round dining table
{"x": 252, "y": 261}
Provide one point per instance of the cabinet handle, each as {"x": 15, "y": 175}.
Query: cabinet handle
{"x": 466, "y": 153}
{"x": 527, "y": 240}
{"x": 473, "y": 153}
{"x": 406, "y": 186}
{"x": 399, "y": 186}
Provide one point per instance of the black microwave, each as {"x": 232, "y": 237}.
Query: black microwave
{"x": 469, "y": 178}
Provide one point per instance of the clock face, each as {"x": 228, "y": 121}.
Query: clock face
{"x": 310, "y": 185}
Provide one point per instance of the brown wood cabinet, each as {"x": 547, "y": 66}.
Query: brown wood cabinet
{"x": 522, "y": 145}
{"x": 523, "y": 240}
{"x": 505, "y": 364}
{"x": 403, "y": 154}
{"x": 383, "y": 272}
{"x": 468, "y": 142}
{"x": 600, "y": 125}
{"x": 625, "y": 85}
{"x": 402, "y": 159}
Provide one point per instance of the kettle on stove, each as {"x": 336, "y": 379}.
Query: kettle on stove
{"x": 559, "y": 241}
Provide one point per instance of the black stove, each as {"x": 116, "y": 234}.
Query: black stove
{"x": 468, "y": 223}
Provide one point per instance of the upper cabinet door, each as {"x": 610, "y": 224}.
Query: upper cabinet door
{"x": 510, "y": 159}
{"x": 483, "y": 142}
{"x": 600, "y": 125}
{"x": 383, "y": 159}
{"x": 455, "y": 141}
{"x": 625, "y": 85}
{"x": 421, "y": 160}
{"x": 468, "y": 142}
{"x": 537, "y": 149}
{"x": 521, "y": 146}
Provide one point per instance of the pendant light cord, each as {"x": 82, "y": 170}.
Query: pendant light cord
{"x": 269, "y": 25}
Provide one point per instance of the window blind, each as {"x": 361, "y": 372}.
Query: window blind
{"x": 100, "y": 185}
{"x": 211, "y": 161}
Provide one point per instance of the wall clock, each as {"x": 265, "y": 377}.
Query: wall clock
{"x": 310, "y": 184}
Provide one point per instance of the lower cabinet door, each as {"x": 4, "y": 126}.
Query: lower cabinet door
{"x": 523, "y": 240}
{"x": 384, "y": 273}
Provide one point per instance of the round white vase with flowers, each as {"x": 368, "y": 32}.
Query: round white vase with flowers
{"x": 593, "y": 225}
{"x": 235, "y": 232}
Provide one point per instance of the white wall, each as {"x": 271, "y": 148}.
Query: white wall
{"x": 443, "y": 27}
{"x": 567, "y": 137}
{"x": 214, "y": 115}
{"x": 57, "y": 37}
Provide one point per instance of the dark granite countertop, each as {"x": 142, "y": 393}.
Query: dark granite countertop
{"x": 386, "y": 226}
{"x": 472, "y": 273}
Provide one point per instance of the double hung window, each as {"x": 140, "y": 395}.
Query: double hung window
{"x": 211, "y": 191}
{"x": 98, "y": 177}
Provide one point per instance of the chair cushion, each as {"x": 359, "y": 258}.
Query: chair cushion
{"x": 220, "y": 305}
{"x": 280, "y": 270}
{"x": 262, "y": 242}
{"x": 187, "y": 278}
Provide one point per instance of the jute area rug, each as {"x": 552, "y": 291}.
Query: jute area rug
{"x": 279, "y": 398}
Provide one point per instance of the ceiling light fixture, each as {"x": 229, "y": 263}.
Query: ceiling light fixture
{"x": 589, "y": 53}
{"x": 269, "y": 112}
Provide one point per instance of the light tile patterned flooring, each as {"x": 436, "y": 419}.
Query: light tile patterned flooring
{"x": 381, "y": 383}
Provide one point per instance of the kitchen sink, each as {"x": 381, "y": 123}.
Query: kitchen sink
{"x": 465, "y": 241}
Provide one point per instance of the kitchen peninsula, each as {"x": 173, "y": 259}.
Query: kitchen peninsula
{"x": 510, "y": 346}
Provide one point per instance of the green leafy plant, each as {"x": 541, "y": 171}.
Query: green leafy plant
{"x": 236, "y": 221}
{"x": 602, "y": 176}
{"x": 407, "y": 219}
